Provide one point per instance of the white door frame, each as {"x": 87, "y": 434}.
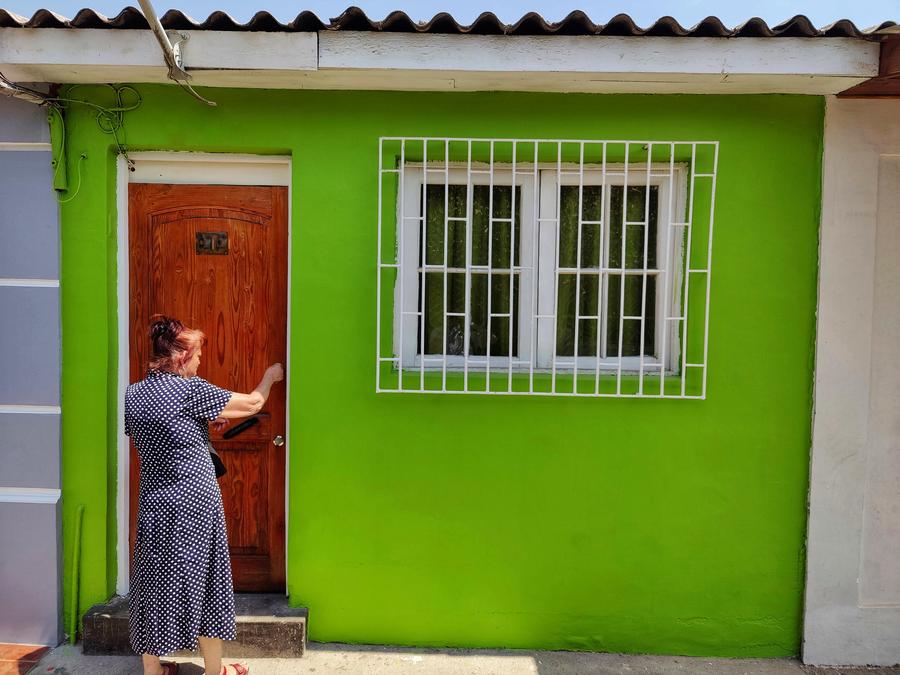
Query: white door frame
{"x": 195, "y": 168}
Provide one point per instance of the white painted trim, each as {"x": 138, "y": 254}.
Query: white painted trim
{"x": 842, "y": 57}
{"x": 123, "y": 465}
{"x": 21, "y": 495}
{"x": 204, "y": 168}
{"x": 287, "y": 392}
{"x": 14, "y": 146}
{"x": 200, "y": 168}
{"x": 30, "y": 410}
{"x": 434, "y": 62}
{"x": 204, "y": 49}
{"x": 29, "y": 283}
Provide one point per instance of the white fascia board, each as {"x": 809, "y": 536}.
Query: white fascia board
{"x": 351, "y": 60}
{"x": 104, "y": 48}
{"x": 843, "y": 57}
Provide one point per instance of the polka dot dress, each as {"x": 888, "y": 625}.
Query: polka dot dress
{"x": 181, "y": 584}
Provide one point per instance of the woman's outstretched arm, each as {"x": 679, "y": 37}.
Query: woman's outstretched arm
{"x": 244, "y": 405}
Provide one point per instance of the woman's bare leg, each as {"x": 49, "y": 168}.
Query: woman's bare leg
{"x": 211, "y": 648}
{"x": 152, "y": 666}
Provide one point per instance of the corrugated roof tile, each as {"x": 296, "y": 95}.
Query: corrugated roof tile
{"x": 487, "y": 23}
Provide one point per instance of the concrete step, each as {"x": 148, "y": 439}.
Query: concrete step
{"x": 266, "y": 627}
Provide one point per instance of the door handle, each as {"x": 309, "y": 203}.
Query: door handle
{"x": 278, "y": 441}
{"x": 241, "y": 428}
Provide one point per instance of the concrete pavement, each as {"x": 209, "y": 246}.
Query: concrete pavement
{"x": 323, "y": 659}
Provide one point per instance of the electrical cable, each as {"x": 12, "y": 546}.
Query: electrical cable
{"x": 109, "y": 119}
{"x": 81, "y": 158}
{"x": 58, "y": 155}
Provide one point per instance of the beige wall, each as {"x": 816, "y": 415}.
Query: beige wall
{"x": 853, "y": 556}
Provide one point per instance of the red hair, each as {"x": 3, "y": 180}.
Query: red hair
{"x": 173, "y": 344}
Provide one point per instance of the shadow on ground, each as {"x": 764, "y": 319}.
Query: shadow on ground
{"x": 323, "y": 659}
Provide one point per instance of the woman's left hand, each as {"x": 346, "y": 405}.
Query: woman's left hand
{"x": 219, "y": 423}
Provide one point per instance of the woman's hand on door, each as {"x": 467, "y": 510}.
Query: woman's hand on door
{"x": 275, "y": 372}
{"x": 244, "y": 405}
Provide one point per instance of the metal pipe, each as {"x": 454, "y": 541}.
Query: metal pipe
{"x": 76, "y": 575}
{"x": 14, "y": 90}
{"x": 172, "y": 59}
{"x": 171, "y": 53}
{"x": 58, "y": 148}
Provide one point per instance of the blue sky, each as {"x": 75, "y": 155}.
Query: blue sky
{"x": 864, "y": 13}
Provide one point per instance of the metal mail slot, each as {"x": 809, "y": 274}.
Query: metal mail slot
{"x": 212, "y": 243}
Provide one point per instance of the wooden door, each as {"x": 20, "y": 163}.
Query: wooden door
{"x": 215, "y": 257}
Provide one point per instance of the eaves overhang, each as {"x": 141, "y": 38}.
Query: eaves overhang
{"x": 354, "y": 52}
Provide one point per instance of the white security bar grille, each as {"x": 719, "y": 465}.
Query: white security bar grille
{"x": 548, "y": 267}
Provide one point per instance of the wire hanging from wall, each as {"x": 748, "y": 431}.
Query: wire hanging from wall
{"x": 110, "y": 120}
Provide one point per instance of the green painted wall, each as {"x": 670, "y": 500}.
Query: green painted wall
{"x": 639, "y": 526}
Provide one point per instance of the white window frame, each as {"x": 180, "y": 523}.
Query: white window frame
{"x": 671, "y": 199}
{"x": 406, "y": 332}
{"x": 538, "y": 237}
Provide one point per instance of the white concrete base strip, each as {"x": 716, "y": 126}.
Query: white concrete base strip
{"x": 23, "y": 495}
{"x": 30, "y": 283}
{"x": 30, "y": 410}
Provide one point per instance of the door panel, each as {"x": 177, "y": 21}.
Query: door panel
{"x": 215, "y": 257}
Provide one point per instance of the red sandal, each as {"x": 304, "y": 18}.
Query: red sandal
{"x": 238, "y": 669}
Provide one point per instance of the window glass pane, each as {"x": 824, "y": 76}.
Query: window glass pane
{"x": 590, "y": 245}
{"x": 456, "y": 292}
{"x": 590, "y": 233}
{"x": 456, "y": 200}
{"x": 433, "y": 208}
{"x": 592, "y": 203}
{"x": 456, "y": 256}
{"x": 434, "y": 225}
{"x": 631, "y": 328}
{"x": 500, "y": 326}
{"x": 456, "y": 335}
{"x": 500, "y": 250}
{"x": 434, "y": 311}
{"x": 634, "y": 252}
{"x": 588, "y": 295}
{"x": 478, "y": 315}
{"x": 502, "y": 208}
{"x": 504, "y": 290}
{"x": 588, "y": 289}
{"x": 502, "y": 200}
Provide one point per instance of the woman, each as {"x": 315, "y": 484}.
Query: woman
{"x": 181, "y": 589}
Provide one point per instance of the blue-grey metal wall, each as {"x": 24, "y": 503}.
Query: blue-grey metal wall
{"x": 30, "y": 556}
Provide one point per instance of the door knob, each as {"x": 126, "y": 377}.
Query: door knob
{"x": 278, "y": 441}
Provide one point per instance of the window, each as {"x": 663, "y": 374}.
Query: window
{"x": 544, "y": 267}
